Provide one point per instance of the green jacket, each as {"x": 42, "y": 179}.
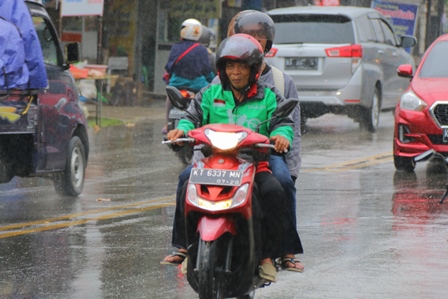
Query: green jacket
{"x": 215, "y": 104}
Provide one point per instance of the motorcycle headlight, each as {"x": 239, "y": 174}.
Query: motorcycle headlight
{"x": 224, "y": 140}
{"x": 410, "y": 101}
{"x": 238, "y": 198}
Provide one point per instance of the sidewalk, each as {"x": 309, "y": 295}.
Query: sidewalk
{"x": 154, "y": 110}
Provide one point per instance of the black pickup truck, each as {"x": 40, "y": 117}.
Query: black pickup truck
{"x": 43, "y": 131}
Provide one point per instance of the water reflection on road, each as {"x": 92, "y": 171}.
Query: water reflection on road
{"x": 367, "y": 231}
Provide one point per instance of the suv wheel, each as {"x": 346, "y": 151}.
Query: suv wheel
{"x": 371, "y": 117}
{"x": 71, "y": 181}
{"x": 404, "y": 163}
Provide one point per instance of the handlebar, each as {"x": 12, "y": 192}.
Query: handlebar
{"x": 265, "y": 145}
{"x": 189, "y": 139}
{"x": 185, "y": 139}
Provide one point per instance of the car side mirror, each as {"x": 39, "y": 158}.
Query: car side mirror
{"x": 405, "y": 71}
{"x": 408, "y": 41}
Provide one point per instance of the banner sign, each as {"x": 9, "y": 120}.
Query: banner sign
{"x": 402, "y": 16}
{"x": 73, "y": 8}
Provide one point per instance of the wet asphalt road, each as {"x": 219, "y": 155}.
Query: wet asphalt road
{"x": 368, "y": 232}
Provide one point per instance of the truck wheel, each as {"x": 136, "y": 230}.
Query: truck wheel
{"x": 404, "y": 163}
{"x": 71, "y": 181}
{"x": 371, "y": 116}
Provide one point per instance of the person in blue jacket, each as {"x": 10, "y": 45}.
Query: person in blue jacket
{"x": 188, "y": 65}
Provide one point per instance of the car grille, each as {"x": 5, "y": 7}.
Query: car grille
{"x": 439, "y": 112}
{"x": 436, "y": 139}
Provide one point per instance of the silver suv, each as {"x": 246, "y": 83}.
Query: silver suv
{"x": 343, "y": 60}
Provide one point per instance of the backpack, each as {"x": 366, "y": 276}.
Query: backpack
{"x": 279, "y": 80}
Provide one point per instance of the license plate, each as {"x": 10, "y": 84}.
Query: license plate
{"x": 300, "y": 63}
{"x": 216, "y": 177}
{"x": 445, "y": 135}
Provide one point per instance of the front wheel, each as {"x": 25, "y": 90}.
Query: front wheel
{"x": 209, "y": 279}
{"x": 71, "y": 181}
{"x": 404, "y": 163}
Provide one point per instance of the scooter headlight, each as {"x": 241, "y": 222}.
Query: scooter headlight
{"x": 238, "y": 199}
{"x": 410, "y": 101}
{"x": 224, "y": 140}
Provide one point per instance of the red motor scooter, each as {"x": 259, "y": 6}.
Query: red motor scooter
{"x": 222, "y": 257}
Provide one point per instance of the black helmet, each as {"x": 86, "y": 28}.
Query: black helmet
{"x": 239, "y": 47}
{"x": 245, "y": 21}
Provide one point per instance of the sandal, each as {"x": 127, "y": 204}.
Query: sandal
{"x": 293, "y": 261}
{"x": 268, "y": 272}
{"x": 179, "y": 255}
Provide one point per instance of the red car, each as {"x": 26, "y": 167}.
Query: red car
{"x": 421, "y": 117}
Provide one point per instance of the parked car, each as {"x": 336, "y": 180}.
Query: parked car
{"x": 342, "y": 59}
{"x": 43, "y": 130}
{"x": 421, "y": 116}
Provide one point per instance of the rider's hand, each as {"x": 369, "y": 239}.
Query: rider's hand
{"x": 281, "y": 143}
{"x": 175, "y": 134}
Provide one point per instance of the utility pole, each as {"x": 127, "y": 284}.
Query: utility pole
{"x": 433, "y": 23}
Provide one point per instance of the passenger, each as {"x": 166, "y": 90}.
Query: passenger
{"x": 239, "y": 61}
{"x": 284, "y": 168}
{"x": 188, "y": 65}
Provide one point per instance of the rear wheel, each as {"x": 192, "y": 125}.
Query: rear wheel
{"x": 371, "y": 117}
{"x": 208, "y": 276}
{"x": 404, "y": 163}
{"x": 71, "y": 181}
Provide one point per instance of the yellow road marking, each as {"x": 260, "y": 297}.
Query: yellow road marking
{"x": 49, "y": 224}
{"x": 353, "y": 164}
{"x": 46, "y": 221}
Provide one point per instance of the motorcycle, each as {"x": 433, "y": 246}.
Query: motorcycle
{"x": 222, "y": 258}
{"x": 184, "y": 153}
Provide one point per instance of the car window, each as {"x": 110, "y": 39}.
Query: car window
{"x": 321, "y": 29}
{"x": 47, "y": 40}
{"x": 388, "y": 34}
{"x": 365, "y": 33}
{"x": 379, "y": 35}
{"x": 436, "y": 64}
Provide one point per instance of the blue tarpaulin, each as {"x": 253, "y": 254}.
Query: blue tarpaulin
{"x": 17, "y": 13}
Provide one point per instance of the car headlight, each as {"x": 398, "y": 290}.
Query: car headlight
{"x": 238, "y": 198}
{"x": 410, "y": 101}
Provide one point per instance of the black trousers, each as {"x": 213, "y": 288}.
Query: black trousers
{"x": 270, "y": 214}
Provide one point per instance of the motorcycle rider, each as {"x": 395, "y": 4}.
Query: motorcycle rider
{"x": 235, "y": 100}
{"x": 188, "y": 65}
{"x": 285, "y": 168}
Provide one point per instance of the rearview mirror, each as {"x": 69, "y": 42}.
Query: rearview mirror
{"x": 408, "y": 41}
{"x": 176, "y": 98}
{"x": 405, "y": 71}
{"x": 285, "y": 108}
